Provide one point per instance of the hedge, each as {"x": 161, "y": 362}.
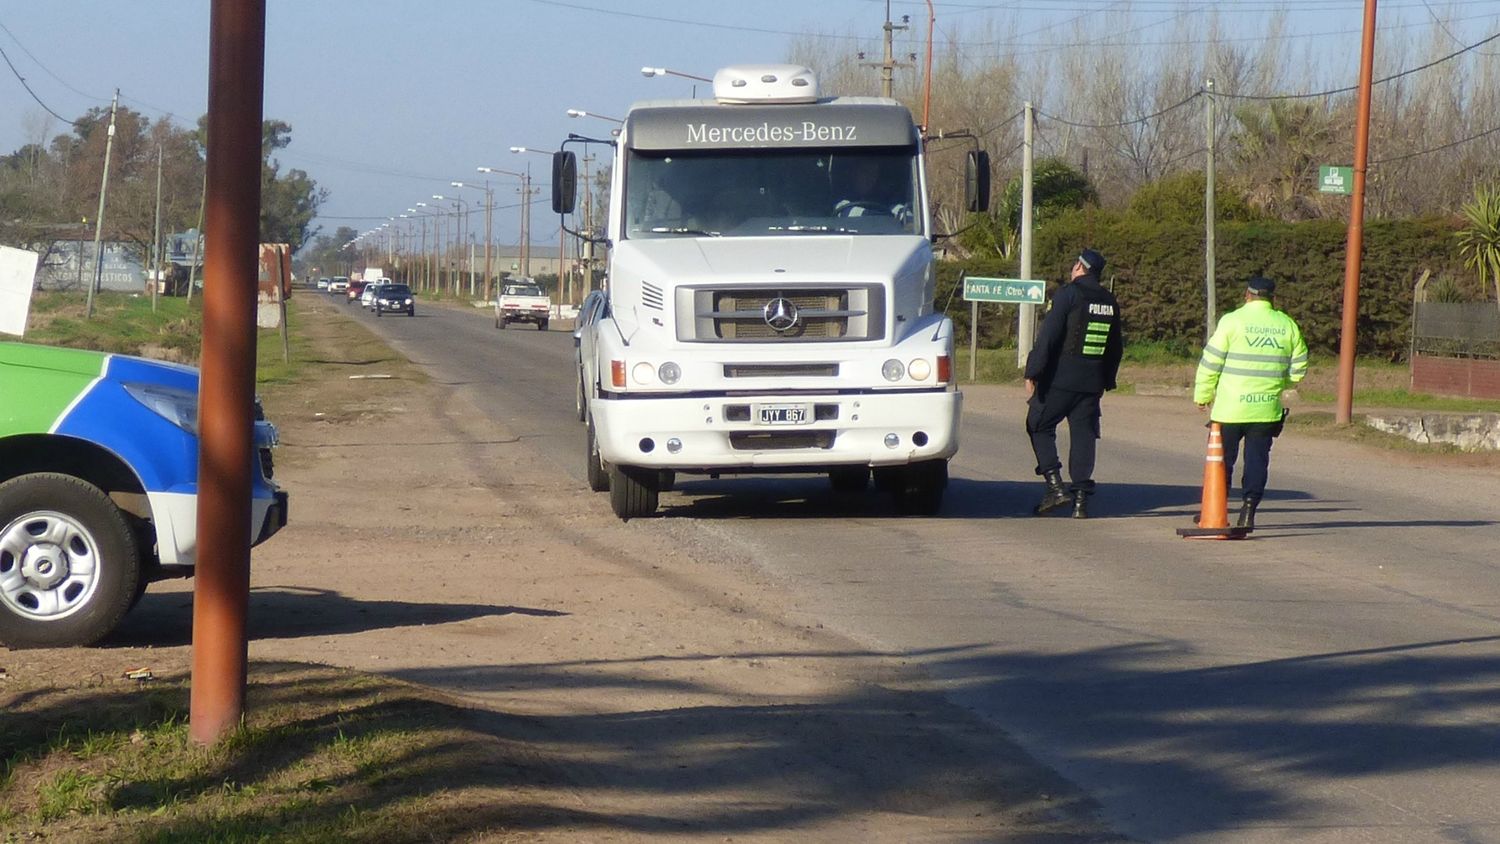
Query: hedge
{"x": 1157, "y": 269}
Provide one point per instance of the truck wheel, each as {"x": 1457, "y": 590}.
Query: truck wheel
{"x": 379, "y": 312}
{"x": 500, "y": 323}
{"x": 69, "y": 566}
{"x": 850, "y": 478}
{"x": 919, "y": 491}
{"x": 594, "y": 467}
{"x": 632, "y": 491}
{"x": 541, "y": 326}
{"x": 580, "y": 401}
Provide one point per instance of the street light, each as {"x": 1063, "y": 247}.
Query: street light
{"x": 649, "y": 72}
{"x": 489, "y": 204}
{"x": 561, "y": 242}
{"x": 525, "y": 179}
{"x": 578, "y": 112}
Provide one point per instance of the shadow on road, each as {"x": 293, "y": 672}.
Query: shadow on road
{"x": 291, "y": 612}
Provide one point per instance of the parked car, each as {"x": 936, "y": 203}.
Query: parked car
{"x": 339, "y": 284}
{"x": 99, "y": 488}
{"x": 594, "y": 306}
{"x": 356, "y": 289}
{"x": 394, "y": 298}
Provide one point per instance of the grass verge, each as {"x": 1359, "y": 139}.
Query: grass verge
{"x": 323, "y": 755}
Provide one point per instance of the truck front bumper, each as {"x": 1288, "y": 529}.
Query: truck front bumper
{"x": 723, "y": 433}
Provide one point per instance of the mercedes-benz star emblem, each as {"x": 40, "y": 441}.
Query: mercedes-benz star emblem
{"x": 781, "y": 314}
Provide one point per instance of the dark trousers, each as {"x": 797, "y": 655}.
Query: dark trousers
{"x": 1044, "y": 413}
{"x": 1257, "y": 437}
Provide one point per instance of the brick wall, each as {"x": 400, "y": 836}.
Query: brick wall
{"x": 1455, "y": 376}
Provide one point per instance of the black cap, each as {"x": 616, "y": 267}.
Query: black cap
{"x": 1261, "y": 286}
{"x": 1092, "y": 261}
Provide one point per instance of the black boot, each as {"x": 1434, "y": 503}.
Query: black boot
{"x": 1080, "y": 504}
{"x": 1056, "y": 495}
{"x": 1247, "y": 514}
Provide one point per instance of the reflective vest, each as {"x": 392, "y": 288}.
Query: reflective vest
{"x": 1256, "y": 353}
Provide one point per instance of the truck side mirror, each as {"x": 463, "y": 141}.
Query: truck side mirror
{"x": 564, "y": 181}
{"x": 976, "y": 181}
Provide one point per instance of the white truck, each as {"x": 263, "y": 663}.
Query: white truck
{"x": 771, "y": 288}
{"x": 521, "y": 299}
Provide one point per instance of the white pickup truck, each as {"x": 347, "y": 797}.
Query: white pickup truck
{"x": 522, "y": 300}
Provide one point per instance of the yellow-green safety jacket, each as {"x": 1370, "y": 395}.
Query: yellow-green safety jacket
{"x": 1255, "y": 353}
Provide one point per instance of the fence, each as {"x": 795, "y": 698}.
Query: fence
{"x": 1456, "y": 349}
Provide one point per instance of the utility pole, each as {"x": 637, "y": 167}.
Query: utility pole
{"x": 489, "y": 213}
{"x": 1344, "y": 412}
{"x": 1210, "y": 289}
{"x": 198, "y": 238}
{"x": 109, "y": 145}
{"x": 526, "y": 223}
{"x": 1026, "y": 316}
{"x": 156, "y": 249}
{"x": 889, "y": 64}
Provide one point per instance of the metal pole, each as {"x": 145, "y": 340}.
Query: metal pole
{"x": 973, "y": 338}
{"x": 226, "y": 454}
{"x": 156, "y": 234}
{"x": 1026, "y": 314}
{"x": 109, "y": 145}
{"x": 1211, "y": 289}
{"x": 1344, "y": 412}
{"x": 489, "y": 213}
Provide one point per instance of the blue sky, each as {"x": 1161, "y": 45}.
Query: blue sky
{"x": 389, "y": 100}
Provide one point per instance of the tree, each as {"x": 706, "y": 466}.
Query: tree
{"x": 1057, "y": 186}
{"x": 288, "y": 202}
{"x": 1479, "y": 241}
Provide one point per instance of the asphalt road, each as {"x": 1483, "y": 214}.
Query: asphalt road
{"x": 1334, "y": 679}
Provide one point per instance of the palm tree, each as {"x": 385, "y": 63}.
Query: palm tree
{"x": 1479, "y": 242}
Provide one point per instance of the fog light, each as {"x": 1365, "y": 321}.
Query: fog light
{"x": 674, "y": 445}
{"x": 647, "y": 445}
{"x": 919, "y": 439}
{"x": 891, "y": 440}
{"x": 669, "y": 373}
{"x": 919, "y": 369}
{"x": 643, "y": 373}
{"x": 893, "y": 370}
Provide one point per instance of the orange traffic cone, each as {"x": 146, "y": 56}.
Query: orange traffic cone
{"x": 1213, "y": 514}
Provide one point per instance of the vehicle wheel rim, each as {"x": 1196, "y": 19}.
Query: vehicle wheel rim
{"x": 49, "y": 566}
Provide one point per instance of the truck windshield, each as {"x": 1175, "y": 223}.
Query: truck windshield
{"x": 748, "y": 193}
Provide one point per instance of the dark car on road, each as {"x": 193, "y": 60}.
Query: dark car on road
{"x": 395, "y": 298}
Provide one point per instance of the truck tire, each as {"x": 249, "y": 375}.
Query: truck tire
{"x": 541, "y": 326}
{"x": 919, "y": 490}
{"x": 632, "y": 491}
{"x": 500, "y": 323}
{"x": 850, "y": 479}
{"x": 580, "y": 401}
{"x": 594, "y": 467}
{"x": 69, "y": 564}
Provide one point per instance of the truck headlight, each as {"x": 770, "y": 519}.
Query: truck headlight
{"x": 180, "y": 407}
{"x": 919, "y": 369}
{"x": 669, "y": 373}
{"x": 893, "y": 370}
{"x": 643, "y": 373}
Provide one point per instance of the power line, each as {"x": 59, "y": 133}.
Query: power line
{"x": 39, "y": 102}
{"x": 1451, "y": 145}
{"x": 1116, "y": 125}
{"x": 1380, "y": 81}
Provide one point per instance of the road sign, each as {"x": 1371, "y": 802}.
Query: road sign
{"x": 1335, "y": 179}
{"x": 1017, "y": 290}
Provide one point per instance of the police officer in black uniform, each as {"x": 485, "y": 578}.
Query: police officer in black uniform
{"x": 1074, "y": 361}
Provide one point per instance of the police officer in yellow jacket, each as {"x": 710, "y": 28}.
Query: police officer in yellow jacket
{"x": 1255, "y": 353}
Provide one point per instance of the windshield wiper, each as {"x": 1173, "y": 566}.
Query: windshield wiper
{"x": 681, "y": 230}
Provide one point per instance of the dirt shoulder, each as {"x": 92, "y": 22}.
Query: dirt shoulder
{"x": 609, "y": 686}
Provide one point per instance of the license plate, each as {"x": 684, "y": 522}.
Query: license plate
{"x": 784, "y": 414}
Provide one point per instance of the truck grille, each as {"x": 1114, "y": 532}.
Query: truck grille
{"x": 779, "y": 440}
{"x": 776, "y": 315}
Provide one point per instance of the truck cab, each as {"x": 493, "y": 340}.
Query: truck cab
{"x": 770, "y": 297}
